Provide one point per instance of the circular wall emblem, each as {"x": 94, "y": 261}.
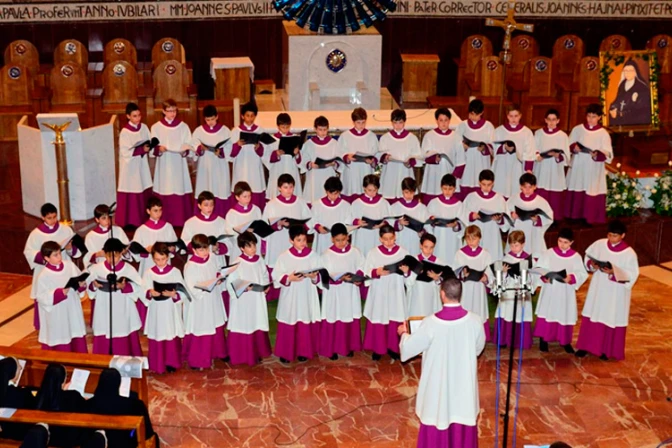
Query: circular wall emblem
{"x": 119, "y": 70}
{"x": 524, "y": 43}
{"x": 20, "y": 48}
{"x": 540, "y": 65}
{"x": 14, "y": 72}
{"x": 662, "y": 43}
{"x": 569, "y": 43}
{"x": 167, "y": 46}
{"x": 336, "y": 60}
{"x": 491, "y": 65}
{"x": 67, "y": 70}
{"x": 119, "y": 47}
{"x": 476, "y": 43}
{"x": 591, "y": 65}
{"x": 70, "y": 48}
{"x": 171, "y": 69}
{"x": 615, "y": 42}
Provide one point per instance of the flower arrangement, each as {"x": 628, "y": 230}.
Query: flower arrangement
{"x": 624, "y": 194}
{"x": 661, "y": 193}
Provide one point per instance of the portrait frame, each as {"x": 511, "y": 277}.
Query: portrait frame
{"x": 621, "y": 98}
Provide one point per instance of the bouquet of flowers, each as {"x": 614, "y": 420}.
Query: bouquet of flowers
{"x": 661, "y": 193}
{"x": 624, "y": 194}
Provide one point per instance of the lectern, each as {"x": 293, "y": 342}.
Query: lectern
{"x": 89, "y": 165}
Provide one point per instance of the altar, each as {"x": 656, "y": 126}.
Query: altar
{"x": 331, "y": 72}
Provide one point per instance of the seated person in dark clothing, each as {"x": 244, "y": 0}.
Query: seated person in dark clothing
{"x": 13, "y": 396}
{"x": 97, "y": 440}
{"x": 107, "y": 401}
{"x": 54, "y": 396}
{"x": 37, "y": 437}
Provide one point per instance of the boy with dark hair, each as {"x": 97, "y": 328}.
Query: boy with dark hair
{"x": 409, "y": 208}
{"x": 369, "y": 205}
{"x": 242, "y": 212}
{"x": 247, "y": 158}
{"x": 449, "y": 232}
{"x": 535, "y": 225}
{"x": 552, "y": 146}
{"x": 103, "y": 231}
{"x": 359, "y": 148}
{"x": 209, "y": 223}
{"x": 477, "y": 135}
{"x": 327, "y": 211}
{"x": 321, "y": 146}
{"x": 399, "y": 153}
{"x": 154, "y": 229}
{"x": 278, "y": 162}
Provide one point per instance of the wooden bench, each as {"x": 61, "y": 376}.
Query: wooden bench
{"x": 75, "y": 420}
{"x": 37, "y": 361}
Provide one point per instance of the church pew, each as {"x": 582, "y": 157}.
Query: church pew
{"x": 75, "y": 420}
{"x": 473, "y": 49}
{"x": 586, "y": 90}
{"x": 567, "y": 53}
{"x": 18, "y": 97}
{"x": 541, "y": 94}
{"x": 37, "y": 361}
{"x": 615, "y": 42}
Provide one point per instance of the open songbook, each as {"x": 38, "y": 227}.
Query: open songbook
{"x": 179, "y": 287}
{"x": 370, "y": 223}
{"x": 289, "y": 143}
{"x": 213, "y": 240}
{"x": 216, "y": 147}
{"x": 106, "y": 286}
{"x": 241, "y": 286}
{"x": 74, "y": 281}
{"x": 409, "y": 260}
{"x": 324, "y": 275}
{"x": 211, "y": 284}
{"x": 348, "y": 277}
{"x": 441, "y": 155}
{"x": 551, "y": 153}
{"x": 152, "y": 143}
{"x": 472, "y": 144}
{"x": 361, "y": 157}
{"x": 509, "y": 143}
{"x": 514, "y": 268}
{"x": 414, "y": 323}
{"x": 77, "y": 243}
{"x": 445, "y": 272}
{"x": 442, "y": 222}
{"x": 259, "y": 227}
{"x": 322, "y": 163}
{"x": 251, "y": 138}
{"x": 415, "y": 224}
{"x": 586, "y": 150}
{"x": 551, "y": 276}
{"x": 137, "y": 249}
{"x": 619, "y": 274}
{"x": 466, "y": 274}
{"x": 290, "y": 221}
{"x": 488, "y": 215}
{"x": 526, "y": 215}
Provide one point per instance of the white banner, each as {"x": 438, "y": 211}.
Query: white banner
{"x": 222, "y": 9}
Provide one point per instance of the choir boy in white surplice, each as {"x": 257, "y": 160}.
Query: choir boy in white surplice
{"x": 247, "y": 159}
{"x": 552, "y": 147}
{"x": 340, "y": 332}
{"x": 438, "y": 144}
{"x": 126, "y": 322}
{"x": 172, "y": 182}
{"x": 135, "y": 180}
{"x": 285, "y": 205}
{"x": 475, "y": 258}
{"x": 358, "y": 147}
{"x": 556, "y": 308}
{"x": 511, "y": 160}
{"x": 49, "y": 230}
{"x": 590, "y": 145}
{"x": 241, "y": 213}
{"x": 248, "y": 321}
{"x": 205, "y": 319}
{"x": 298, "y": 312}
{"x": 484, "y": 208}
{"x": 326, "y": 212}
{"x": 278, "y": 162}
{"x": 447, "y": 400}
{"x": 209, "y": 223}
{"x": 409, "y": 206}
{"x": 504, "y": 312}
{"x": 212, "y": 173}
{"x": 62, "y": 320}
{"x": 369, "y": 205}
{"x": 164, "y": 327}
{"x": 153, "y": 230}
{"x": 605, "y": 314}
{"x": 399, "y": 152}
{"x": 386, "y": 304}
{"x": 448, "y": 207}
{"x": 321, "y": 146}
{"x": 104, "y": 230}
{"x": 423, "y": 296}
{"x": 477, "y": 135}
{"x": 534, "y": 227}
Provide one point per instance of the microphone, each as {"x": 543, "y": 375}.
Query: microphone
{"x": 524, "y": 266}
{"x": 113, "y": 209}
{"x": 499, "y": 266}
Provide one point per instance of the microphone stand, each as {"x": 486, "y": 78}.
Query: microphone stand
{"x": 520, "y": 291}
{"x": 112, "y": 277}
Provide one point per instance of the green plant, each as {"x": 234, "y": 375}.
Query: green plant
{"x": 661, "y": 193}
{"x": 624, "y": 195}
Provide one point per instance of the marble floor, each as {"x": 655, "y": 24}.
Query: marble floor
{"x": 355, "y": 402}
